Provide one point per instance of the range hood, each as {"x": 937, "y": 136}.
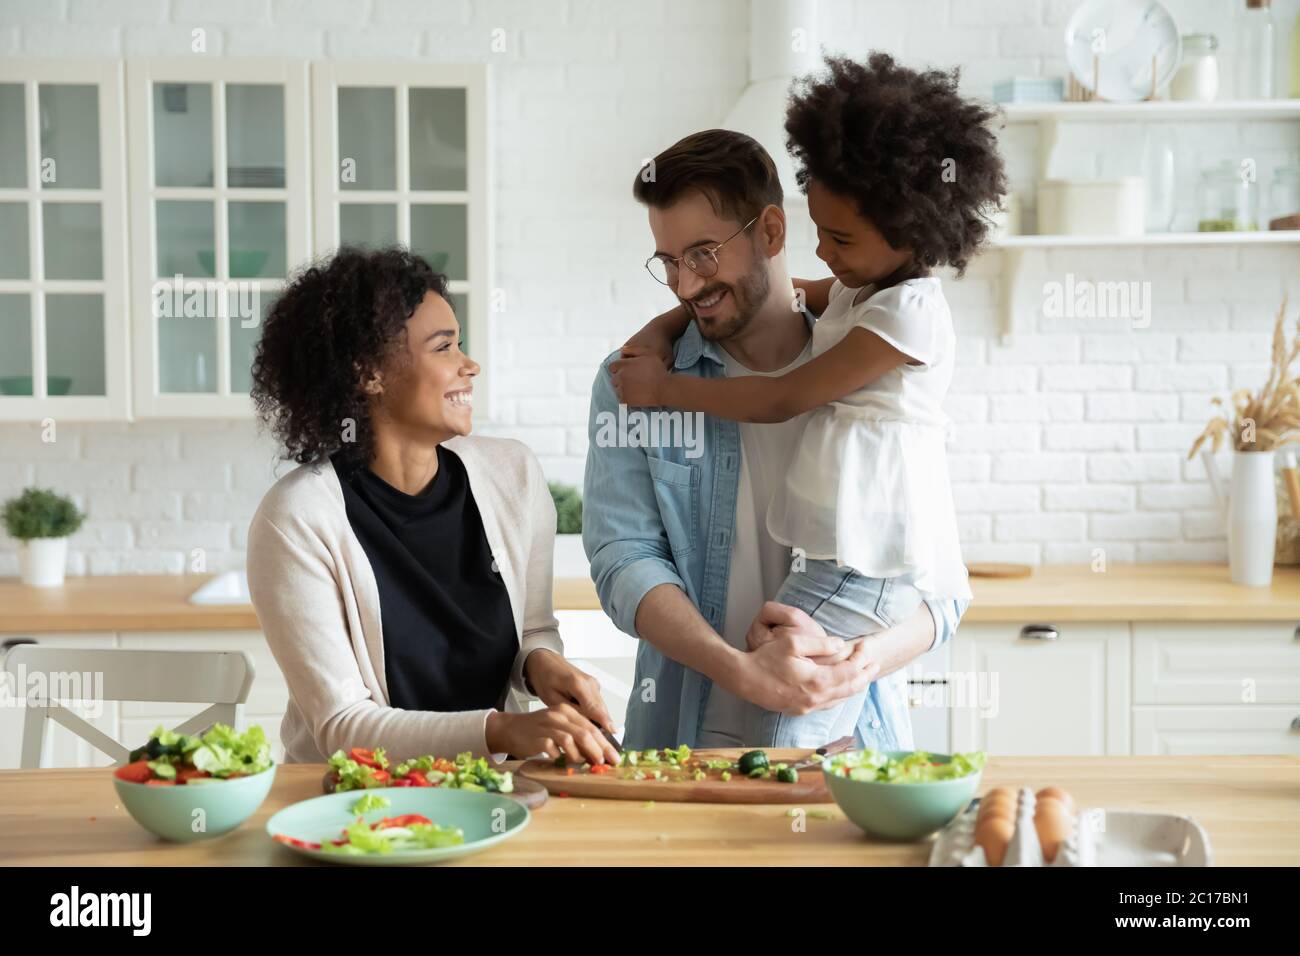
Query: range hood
{"x": 782, "y": 45}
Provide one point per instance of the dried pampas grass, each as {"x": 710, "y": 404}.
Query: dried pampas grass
{"x": 1270, "y": 418}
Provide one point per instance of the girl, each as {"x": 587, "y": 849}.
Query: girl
{"x": 900, "y": 173}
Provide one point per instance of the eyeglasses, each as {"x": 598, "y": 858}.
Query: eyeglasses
{"x": 702, "y": 260}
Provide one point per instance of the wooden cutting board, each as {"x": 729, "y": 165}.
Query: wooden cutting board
{"x": 681, "y": 788}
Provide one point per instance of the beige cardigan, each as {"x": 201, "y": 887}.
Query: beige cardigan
{"x": 316, "y": 598}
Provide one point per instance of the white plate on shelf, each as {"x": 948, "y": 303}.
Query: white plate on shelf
{"x": 1129, "y": 33}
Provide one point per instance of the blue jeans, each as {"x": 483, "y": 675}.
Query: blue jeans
{"x": 846, "y": 604}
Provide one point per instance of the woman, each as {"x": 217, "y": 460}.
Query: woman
{"x": 402, "y": 573}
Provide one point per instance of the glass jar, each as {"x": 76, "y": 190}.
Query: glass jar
{"x": 1284, "y": 193}
{"x": 1197, "y": 77}
{"x": 1228, "y": 199}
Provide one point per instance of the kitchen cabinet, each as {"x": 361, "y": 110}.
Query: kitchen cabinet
{"x": 1216, "y": 688}
{"x": 152, "y": 209}
{"x": 219, "y": 214}
{"x": 1037, "y": 689}
{"x": 1217, "y": 663}
{"x": 400, "y": 154}
{"x": 1217, "y": 729}
{"x": 63, "y": 271}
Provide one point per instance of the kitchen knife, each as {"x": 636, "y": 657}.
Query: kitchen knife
{"x": 832, "y": 748}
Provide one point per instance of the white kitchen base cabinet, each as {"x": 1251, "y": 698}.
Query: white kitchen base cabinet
{"x": 1252, "y": 729}
{"x": 1217, "y": 663}
{"x": 1046, "y": 697}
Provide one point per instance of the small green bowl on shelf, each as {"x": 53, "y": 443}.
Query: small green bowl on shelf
{"x": 173, "y": 812}
{"x": 901, "y": 811}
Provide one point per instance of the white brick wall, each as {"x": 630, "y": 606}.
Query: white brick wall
{"x": 1070, "y": 438}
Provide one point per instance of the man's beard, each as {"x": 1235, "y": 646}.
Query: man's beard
{"x": 748, "y": 293}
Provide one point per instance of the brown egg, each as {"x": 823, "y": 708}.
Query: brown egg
{"x": 1056, "y": 793}
{"x": 1001, "y": 810}
{"x": 993, "y": 834}
{"x": 1000, "y": 797}
{"x": 1054, "y": 824}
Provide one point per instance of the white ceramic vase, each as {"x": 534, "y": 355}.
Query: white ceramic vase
{"x": 1249, "y": 504}
{"x": 43, "y": 561}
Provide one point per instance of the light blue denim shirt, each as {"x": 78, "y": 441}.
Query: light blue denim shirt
{"x": 664, "y": 515}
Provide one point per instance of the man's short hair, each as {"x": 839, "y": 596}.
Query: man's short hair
{"x": 732, "y": 170}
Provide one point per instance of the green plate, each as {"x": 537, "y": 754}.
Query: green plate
{"x": 485, "y": 818}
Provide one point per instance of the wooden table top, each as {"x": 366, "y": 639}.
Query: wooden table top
{"x": 1248, "y": 805}
{"x": 1055, "y": 593}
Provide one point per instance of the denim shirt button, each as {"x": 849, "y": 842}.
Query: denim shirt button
{"x": 875, "y": 723}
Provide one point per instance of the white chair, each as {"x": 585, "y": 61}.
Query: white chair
{"x": 43, "y": 677}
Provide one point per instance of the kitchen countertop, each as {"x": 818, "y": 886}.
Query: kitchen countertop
{"x": 1248, "y": 806}
{"x": 1053, "y": 593}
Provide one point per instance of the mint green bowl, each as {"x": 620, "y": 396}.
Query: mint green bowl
{"x": 171, "y": 812}
{"x": 902, "y": 811}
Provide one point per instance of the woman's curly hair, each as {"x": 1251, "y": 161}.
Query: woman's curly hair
{"x": 336, "y": 324}
{"x": 880, "y": 133}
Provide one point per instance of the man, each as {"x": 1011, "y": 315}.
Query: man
{"x": 676, "y": 534}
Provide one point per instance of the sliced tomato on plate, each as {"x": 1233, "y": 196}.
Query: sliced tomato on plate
{"x": 303, "y": 844}
{"x": 402, "y": 782}
{"x": 418, "y": 779}
{"x": 403, "y": 820}
{"x": 382, "y": 777}
{"x": 190, "y": 773}
{"x": 160, "y": 783}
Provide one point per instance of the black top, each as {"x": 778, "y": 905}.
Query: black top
{"x": 449, "y": 633}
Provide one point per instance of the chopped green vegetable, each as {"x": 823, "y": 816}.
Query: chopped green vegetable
{"x": 678, "y": 755}
{"x": 371, "y": 801}
{"x": 418, "y": 836}
{"x": 163, "y": 769}
{"x": 787, "y": 775}
{"x": 726, "y": 775}
{"x": 751, "y": 761}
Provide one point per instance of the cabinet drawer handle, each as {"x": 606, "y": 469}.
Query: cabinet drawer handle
{"x": 1295, "y": 635}
{"x": 1295, "y": 723}
{"x": 1039, "y": 632}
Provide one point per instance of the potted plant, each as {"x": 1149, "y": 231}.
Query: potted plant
{"x": 570, "y": 558}
{"x": 1261, "y": 423}
{"x": 42, "y": 521}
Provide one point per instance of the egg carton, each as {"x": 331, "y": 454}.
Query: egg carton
{"x": 1099, "y": 837}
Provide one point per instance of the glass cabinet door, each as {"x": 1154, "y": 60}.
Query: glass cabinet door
{"x": 222, "y": 205}
{"x": 62, "y": 242}
{"x": 400, "y": 155}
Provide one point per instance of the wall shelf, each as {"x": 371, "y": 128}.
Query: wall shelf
{"x": 1244, "y": 110}
{"x": 1050, "y": 116}
{"x": 1276, "y": 237}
